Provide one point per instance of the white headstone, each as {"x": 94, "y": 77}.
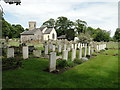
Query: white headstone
{"x": 10, "y": 52}
{"x": 46, "y": 49}
{"x": 64, "y": 46}
{"x": 52, "y": 61}
{"x": 73, "y": 54}
{"x": 65, "y": 54}
{"x": 88, "y": 50}
{"x": 59, "y": 48}
{"x": 85, "y": 50}
{"x": 80, "y": 53}
{"x": 53, "y": 48}
{"x": 75, "y": 46}
{"x": 25, "y": 52}
{"x": 37, "y": 53}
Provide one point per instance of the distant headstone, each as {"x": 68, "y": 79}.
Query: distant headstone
{"x": 25, "y": 52}
{"x": 46, "y": 49}
{"x": 59, "y": 48}
{"x": 88, "y": 50}
{"x": 10, "y": 52}
{"x": 75, "y": 46}
{"x": 53, "y": 48}
{"x": 52, "y": 61}
{"x": 80, "y": 53}
{"x": 73, "y": 54}
{"x": 64, "y": 48}
{"x": 37, "y": 53}
{"x": 50, "y": 46}
{"x": 85, "y": 50}
{"x": 65, "y": 54}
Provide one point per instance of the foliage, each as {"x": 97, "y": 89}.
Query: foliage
{"x": 49, "y": 23}
{"x": 102, "y": 35}
{"x": 12, "y": 31}
{"x": 78, "y": 61}
{"x": 11, "y": 63}
{"x": 88, "y": 56}
{"x": 17, "y": 2}
{"x": 70, "y": 63}
{"x": 61, "y": 63}
{"x": 80, "y": 26}
{"x": 84, "y": 38}
{"x": 63, "y": 26}
{"x": 117, "y": 35}
{"x": 70, "y": 34}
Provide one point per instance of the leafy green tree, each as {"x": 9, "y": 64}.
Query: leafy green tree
{"x": 17, "y": 29}
{"x": 6, "y": 28}
{"x": 84, "y": 38}
{"x": 49, "y": 23}
{"x": 64, "y": 26}
{"x": 12, "y": 31}
{"x": 117, "y": 35}
{"x": 102, "y": 35}
{"x": 70, "y": 34}
{"x": 80, "y": 26}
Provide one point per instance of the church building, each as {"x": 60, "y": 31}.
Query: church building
{"x": 38, "y": 34}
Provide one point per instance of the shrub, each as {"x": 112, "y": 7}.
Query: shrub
{"x": 61, "y": 63}
{"x": 88, "y": 56}
{"x": 70, "y": 63}
{"x": 106, "y": 48}
{"x": 78, "y": 61}
{"x": 11, "y": 63}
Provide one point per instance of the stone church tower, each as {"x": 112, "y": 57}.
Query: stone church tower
{"x": 32, "y": 25}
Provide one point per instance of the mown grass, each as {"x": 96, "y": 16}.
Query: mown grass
{"x": 98, "y": 72}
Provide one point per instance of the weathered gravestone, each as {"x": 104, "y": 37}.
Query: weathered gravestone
{"x": 50, "y": 46}
{"x": 73, "y": 54}
{"x": 25, "y": 52}
{"x": 75, "y": 46}
{"x": 59, "y": 48}
{"x": 64, "y": 48}
{"x": 52, "y": 61}
{"x": 65, "y": 54}
{"x": 46, "y": 49}
{"x": 80, "y": 53}
{"x": 37, "y": 53}
{"x": 53, "y": 48}
{"x": 85, "y": 50}
{"x": 88, "y": 50}
{"x": 10, "y": 52}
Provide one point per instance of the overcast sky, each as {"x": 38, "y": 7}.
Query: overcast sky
{"x": 97, "y": 13}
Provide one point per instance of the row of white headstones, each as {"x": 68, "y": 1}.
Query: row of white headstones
{"x": 52, "y": 58}
{"x": 52, "y": 55}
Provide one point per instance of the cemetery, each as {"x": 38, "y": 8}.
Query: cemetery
{"x": 58, "y": 49}
{"x": 61, "y": 57}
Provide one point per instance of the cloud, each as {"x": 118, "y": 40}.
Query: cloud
{"x": 97, "y": 13}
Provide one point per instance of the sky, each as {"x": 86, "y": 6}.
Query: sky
{"x": 97, "y": 13}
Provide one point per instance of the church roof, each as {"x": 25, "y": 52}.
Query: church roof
{"x": 48, "y": 30}
{"x": 30, "y": 32}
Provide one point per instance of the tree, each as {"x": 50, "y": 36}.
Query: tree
{"x": 70, "y": 34}
{"x": 84, "y": 38}
{"x": 17, "y": 2}
{"x": 117, "y": 35}
{"x": 49, "y": 23}
{"x": 80, "y": 26}
{"x": 12, "y": 31}
{"x": 17, "y": 29}
{"x": 102, "y": 35}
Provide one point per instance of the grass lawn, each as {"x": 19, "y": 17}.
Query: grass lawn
{"x": 99, "y": 72}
